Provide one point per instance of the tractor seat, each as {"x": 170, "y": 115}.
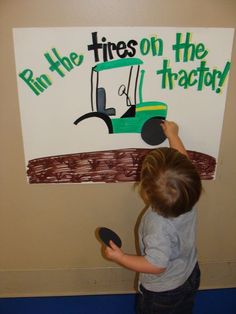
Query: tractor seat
{"x": 101, "y": 103}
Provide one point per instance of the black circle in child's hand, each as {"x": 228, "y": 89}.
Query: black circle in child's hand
{"x": 106, "y": 235}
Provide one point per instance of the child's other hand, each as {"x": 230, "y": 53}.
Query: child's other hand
{"x": 113, "y": 252}
{"x": 170, "y": 128}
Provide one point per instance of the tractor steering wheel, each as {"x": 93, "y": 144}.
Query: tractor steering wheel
{"x": 122, "y": 90}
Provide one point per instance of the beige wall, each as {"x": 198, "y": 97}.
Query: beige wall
{"x": 47, "y": 241}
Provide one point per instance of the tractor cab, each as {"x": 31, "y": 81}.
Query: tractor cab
{"x": 107, "y": 81}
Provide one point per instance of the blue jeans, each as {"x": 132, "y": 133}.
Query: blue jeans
{"x": 177, "y": 301}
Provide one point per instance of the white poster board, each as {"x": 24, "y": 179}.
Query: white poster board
{"x": 64, "y": 74}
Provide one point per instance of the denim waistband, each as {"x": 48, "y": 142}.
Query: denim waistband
{"x": 144, "y": 290}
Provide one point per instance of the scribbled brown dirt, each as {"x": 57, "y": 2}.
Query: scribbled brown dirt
{"x": 122, "y": 165}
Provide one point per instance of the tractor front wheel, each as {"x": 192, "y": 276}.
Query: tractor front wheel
{"x": 152, "y": 132}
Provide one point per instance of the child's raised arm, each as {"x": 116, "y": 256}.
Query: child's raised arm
{"x": 171, "y": 131}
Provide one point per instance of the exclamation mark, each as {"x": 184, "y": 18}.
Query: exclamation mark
{"x": 223, "y": 77}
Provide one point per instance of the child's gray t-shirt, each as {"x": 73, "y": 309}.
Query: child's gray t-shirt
{"x": 168, "y": 243}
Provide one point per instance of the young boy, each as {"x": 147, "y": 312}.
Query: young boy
{"x": 169, "y": 273}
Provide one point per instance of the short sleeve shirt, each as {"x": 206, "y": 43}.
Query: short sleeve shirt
{"x": 168, "y": 243}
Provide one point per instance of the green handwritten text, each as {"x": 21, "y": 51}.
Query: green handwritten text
{"x": 57, "y": 63}
{"x": 201, "y": 77}
{"x": 186, "y": 51}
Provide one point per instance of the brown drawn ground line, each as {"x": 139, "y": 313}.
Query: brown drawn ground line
{"x": 121, "y": 165}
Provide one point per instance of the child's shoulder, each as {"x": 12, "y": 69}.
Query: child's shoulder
{"x": 152, "y": 214}
{"x": 152, "y": 218}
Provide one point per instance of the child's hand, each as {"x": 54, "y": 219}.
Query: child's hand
{"x": 170, "y": 128}
{"x": 171, "y": 131}
{"x": 113, "y": 252}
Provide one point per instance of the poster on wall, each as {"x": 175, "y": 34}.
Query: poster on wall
{"x": 92, "y": 98}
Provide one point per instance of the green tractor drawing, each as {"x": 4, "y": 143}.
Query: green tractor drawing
{"x": 142, "y": 117}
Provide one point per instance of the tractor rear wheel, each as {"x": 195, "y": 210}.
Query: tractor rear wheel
{"x": 152, "y": 132}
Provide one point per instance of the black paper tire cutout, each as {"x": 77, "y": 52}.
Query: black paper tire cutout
{"x": 106, "y": 235}
{"x": 152, "y": 132}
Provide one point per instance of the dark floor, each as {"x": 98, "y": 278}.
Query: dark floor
{"x": 220, "y": 301}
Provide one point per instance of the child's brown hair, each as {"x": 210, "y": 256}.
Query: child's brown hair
{"x": 169, "y": 182}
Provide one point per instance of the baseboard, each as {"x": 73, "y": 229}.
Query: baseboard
{"x": 92, "y": 281}
{"x": 218, "y": 275}
{"x": 58, "y": 282}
